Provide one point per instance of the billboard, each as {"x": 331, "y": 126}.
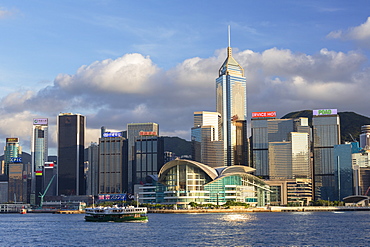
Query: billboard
{"x": 324, "y": 112}
{"x": 264, "y": 114}
{"x": 148, "y": 133}
{"x": 115, "y": 197}
{"x": 12, "y": 140}
{"x": 40, "y": 121}
{"x": 112, "y": 134}
{"x": 16, "y": 159}
{"x": 49, "y": 165}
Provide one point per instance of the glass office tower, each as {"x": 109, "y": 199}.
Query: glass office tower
{"x": 149, "y": 157}
{"x": 39, "y": 153}
{"x": 290, "y": 159}
{"x": 112, "y": 160}
{"x": 343, "y": 170}
{"x": 135, "y": 130}
{"x": 326, "y": 134}
{"x": 12, "y": 154}
{"x": 71, "y": 138}
{"x": 231, "y": 100}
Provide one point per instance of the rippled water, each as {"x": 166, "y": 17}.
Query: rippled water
{"x": 247, "y": 229}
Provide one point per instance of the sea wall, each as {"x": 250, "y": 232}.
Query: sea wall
{"x": 257, "y": 209}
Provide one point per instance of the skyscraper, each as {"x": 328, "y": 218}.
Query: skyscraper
{"x": 231, "y": 100}
{"x": 326, "y": 134}
{"x": 206, "y": 140}
{"x": 149, "y": 157}
{"x": 135, "y": 130}
{"x": 71, "y": 137}
{"x": 112, "y": 161}
{"x": 12, "y": 154}
{"x": 39, "y": 153}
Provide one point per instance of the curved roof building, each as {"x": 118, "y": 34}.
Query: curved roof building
{"x": 185, "y": 181}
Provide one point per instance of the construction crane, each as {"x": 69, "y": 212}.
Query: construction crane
{"x": 367, "y": 191}
{"x": 353, "y": 139}
{"x": 45, "y": 191}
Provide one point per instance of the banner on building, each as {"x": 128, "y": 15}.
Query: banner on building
{"x": 264, "y": 114}
{"x": 324, "y": 112}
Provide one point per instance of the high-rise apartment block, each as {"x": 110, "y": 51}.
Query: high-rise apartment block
{"x": 231, "y": 103}
{"x": 326, "y": 134}
{"x": 71, "y": 138}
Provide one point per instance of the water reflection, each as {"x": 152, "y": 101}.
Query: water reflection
{"x": 238, "y": 217}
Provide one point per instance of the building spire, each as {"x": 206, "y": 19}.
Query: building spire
{"x": 229, "y": 50}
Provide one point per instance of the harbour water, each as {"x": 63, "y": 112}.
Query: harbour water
{"x": 349, "y": 228}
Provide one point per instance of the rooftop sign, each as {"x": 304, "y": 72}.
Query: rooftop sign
{"x": 112, "y": 134}
{"x": 324, "y": 112}
{"x": 264, "y": 114}
{"x": 11, "y": 140}
{"x": 40, "y": 121}
{"x": 148, "y": 133}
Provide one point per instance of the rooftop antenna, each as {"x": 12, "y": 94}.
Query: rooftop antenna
{"x": 228, "y": 31}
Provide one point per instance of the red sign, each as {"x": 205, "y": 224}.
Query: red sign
{"x": 148, "y": 133}
{"x": 264, "y": 114}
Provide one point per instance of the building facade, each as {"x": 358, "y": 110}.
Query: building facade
{"x": 149, "y": 157}
{"x": 206, "y": 139}
{"x": 231, "y": 103}
{"x": 326, "y": 134}
{"x": 71, "y": 138}
{"x": 183, "y": 181}
{"x": 134, "y": 130}
{"x": 112, "y": 161}
{"x": 12, "y": 154}
{"x": 39, "y": 153}
{"x": 92, "y": 169}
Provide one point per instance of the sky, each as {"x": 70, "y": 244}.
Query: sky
{"x": 118, "y": 62}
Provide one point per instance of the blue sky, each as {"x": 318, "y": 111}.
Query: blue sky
{"x": 119, "y": 62}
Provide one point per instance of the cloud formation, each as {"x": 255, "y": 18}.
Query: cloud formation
{"x": 5, "y": 13}
{"x": 360, "y": 34}
{"x": 132, "y": 88}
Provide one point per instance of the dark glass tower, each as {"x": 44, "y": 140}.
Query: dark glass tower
{"x": 71, "y": 137}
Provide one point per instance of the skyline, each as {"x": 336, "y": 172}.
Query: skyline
{"x": 140, "y": 62}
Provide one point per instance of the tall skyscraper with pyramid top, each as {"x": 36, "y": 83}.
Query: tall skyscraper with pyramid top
{"x": 231, "y": 100}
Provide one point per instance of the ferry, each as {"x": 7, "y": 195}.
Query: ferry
{"x": 116, "y": 214}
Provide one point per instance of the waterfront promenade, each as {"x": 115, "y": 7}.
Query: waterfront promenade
{"x": 259, "y": 209}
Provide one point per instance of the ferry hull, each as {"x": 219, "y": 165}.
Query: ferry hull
{"x": 115, "y": 218}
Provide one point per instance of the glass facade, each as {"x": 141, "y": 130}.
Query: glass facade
{"x": 12, "y": 150}
{"x": 206, "y": 143}
{"x": 326, "y": 134}
{"x": 112, "y": 158}
{"x": 187, "y": 181}
{"x": 231, "y": 103}
{"x": 149, "y": 157}
{"x": 71, "y": 140}
{"x": 39, "y": 155}
{"x": 343, "y": 171}
{"x": 133, "y": 131}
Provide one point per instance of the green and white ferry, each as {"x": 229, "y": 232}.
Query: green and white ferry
{"x": 116, "y": 214}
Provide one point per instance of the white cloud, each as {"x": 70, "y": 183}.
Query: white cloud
{"x": 359, "y": 33}
{"x": 4, "y": 13}
{"x": 129, "y": 74}
{"x": 131, "y": 89}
